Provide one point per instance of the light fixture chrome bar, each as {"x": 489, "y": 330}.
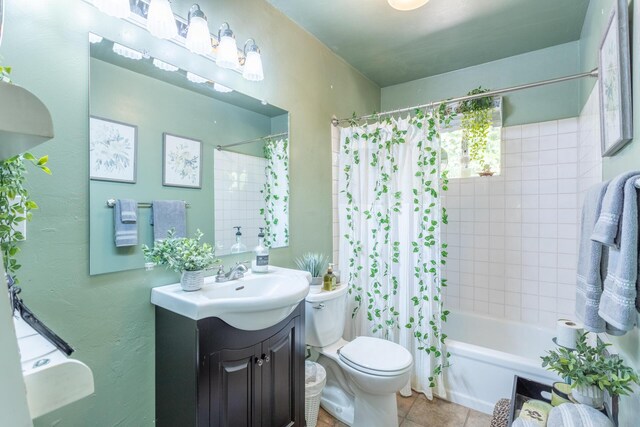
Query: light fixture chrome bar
{"x": 112, "y": 203}
{"x": 248, "y": 141}
{"x": 592, "y": 73}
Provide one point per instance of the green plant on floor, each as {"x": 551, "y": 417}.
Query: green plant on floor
{"x": 15, "y": 205}
{"x": 590, "y": 366}
{"x": 477, "y": 118}
{"x": 314, "y": 263}
{"x": 181, "y": 253}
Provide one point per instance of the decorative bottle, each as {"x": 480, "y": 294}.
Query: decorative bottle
{"x": 260, "y": 263}
{"x": 329, "y": 282}
{"x": 238, "y": 246}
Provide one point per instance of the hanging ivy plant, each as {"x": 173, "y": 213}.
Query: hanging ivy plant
{"x": 477, "y": 118}
{"x": 15, "y": 205}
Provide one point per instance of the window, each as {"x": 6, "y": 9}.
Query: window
{"x": 458, "y": 163}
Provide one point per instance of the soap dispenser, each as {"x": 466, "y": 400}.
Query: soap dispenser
{"x": 238, "y": 247}
{"x": 260, "y": 263}
{"x": 329, "y": 282}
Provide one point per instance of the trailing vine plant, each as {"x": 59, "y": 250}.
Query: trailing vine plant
{"x": 276, "y": 192}
{"x": 384, "y": 249}
{"x": 15, "y": 205}
{"x": 477, "y": 118}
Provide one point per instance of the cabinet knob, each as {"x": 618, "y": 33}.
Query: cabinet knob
{"x": 259, "y": 362}
{"x": 267, "y": 359}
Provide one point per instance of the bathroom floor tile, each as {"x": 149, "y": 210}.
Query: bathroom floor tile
{"x": 437, "y": 412}
{"x": 477, "y": 419}
{"x": 418, "y": 411}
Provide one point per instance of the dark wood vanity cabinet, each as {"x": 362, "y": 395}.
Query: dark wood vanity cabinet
{"x": 211, "y": 374}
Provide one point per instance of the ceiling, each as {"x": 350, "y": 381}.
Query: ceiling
{"x": 392, "y": 47}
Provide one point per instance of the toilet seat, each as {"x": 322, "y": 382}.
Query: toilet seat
{"x": 376, "y": 356}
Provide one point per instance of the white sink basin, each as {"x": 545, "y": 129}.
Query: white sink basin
{"x": 253, "y": 302}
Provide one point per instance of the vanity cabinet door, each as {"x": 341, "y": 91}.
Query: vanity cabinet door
{"x": 281, "y": 389}
{"x": 235, "y": 382}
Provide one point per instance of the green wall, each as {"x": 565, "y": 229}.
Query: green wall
{"x": 156, "y": 107}
{"x": 108, "y": 318}
{"x": 529, "y": 106}
{"x": 626, "y": 159}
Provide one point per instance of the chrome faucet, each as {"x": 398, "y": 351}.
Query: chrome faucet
{"x": 234, "y": 273}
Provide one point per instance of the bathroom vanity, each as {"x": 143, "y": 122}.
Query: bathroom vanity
{"x": 215, "y": 368}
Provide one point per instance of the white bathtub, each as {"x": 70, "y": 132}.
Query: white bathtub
{"x": 485, "y": 355}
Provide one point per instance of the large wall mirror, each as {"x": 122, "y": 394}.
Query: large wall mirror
{"x": 161, "y": 133}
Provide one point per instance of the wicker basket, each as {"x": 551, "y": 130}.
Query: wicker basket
{"x": 315, "y": 379}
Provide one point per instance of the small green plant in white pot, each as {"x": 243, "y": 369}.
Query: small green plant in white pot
{"x": 183, "y": 255}
{"x": 314, "y": 263}
{"x": 591, "y": 371}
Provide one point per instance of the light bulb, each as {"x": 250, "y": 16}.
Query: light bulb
{"x": 127, "y": 52}
{"x": 117, "y": 8}
{"x": 198, "y": 36}
{"x": 164, "y": 65}
{"x": 160, "y": 20}
{"x": 222, "y": 89}
{"x": 405, "y": 5}
{"x": 227, "y": 51}
{"x": 195, "y": 78}
{"x": 253, "y": 67}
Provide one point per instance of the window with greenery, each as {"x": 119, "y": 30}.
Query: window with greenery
{"x": 460, "y": 165}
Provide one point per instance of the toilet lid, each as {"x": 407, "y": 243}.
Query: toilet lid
{"x": 374, "y": 355}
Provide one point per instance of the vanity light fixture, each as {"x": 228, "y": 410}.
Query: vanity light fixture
{"x": 227, "y": 49}
{"x": 222, "y": 89}
{"x": 252, "y": 70}
{"x": 117, "y": 8}
{"x": 160, "y": 20}
{"x": 405, "y": 5}
{"x": 195, "y": 78}
{"x": 198, "y": 38}
{"x": 164, "y": 65}
{"x": 127, "y": 52}
{"x": 94, "y": 38}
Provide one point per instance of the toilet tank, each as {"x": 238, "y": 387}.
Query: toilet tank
{"x": 325, "y": 316}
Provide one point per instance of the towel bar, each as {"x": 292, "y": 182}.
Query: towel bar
{"x": 112, "y": 202}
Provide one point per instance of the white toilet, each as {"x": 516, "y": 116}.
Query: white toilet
{"x": 363, "y": 375}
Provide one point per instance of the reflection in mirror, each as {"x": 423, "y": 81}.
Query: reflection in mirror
{"x": 154, "y": 129}
{"x": 252, "y": 193}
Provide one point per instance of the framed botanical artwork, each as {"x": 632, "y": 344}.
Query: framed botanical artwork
{"x": 112, "y": 150}
{"x": 616, "y": 122}
{"x": 182, "y": 162}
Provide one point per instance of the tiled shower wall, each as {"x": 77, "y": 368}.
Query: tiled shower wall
{"x": 238, "y": 181}
{"x": 513, "y": 238}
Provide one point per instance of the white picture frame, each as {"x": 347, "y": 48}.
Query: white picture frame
{"x": 112, "y": 150}
{"x": 614, "y": 81}
{"x": 182, "y": 161}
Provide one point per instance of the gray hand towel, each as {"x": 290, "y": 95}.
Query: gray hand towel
{"x": 607, "y": 229}
{"x": 577, "y": 415}
{"x": 128, "y": 211}
{"x": 125, "y": 232}
{"x": 618, "y": 302}
{"x": 167, "y": 215}
{"x": 589, "y": 273}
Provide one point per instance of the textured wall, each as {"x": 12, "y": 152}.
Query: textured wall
{"x": 108, "y": 318}
{"x": 529, "y": 106}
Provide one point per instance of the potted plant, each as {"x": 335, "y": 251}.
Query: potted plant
{"x": 591, "y": 371}
{"x": 314, "y": 263}
{"x": 183, "y": 255}
{"x": 477, "y": 118}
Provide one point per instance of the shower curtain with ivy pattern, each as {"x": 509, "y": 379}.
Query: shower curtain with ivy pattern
{"x": 276, "y": 193}
{"x": 390, "y": 253}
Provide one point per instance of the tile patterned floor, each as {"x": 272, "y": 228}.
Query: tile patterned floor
{"x": 417, "y": 411}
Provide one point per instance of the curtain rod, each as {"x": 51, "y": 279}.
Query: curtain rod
{"x": 592, "y": 73}
{"x": 222, "y": 147}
